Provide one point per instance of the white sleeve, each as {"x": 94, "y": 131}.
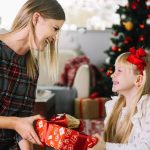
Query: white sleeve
{"x": 109, "y": 105}
{"x": 137, "y": 146}
{"x": 144, "y": 137}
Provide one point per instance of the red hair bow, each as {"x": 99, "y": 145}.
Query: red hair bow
{"x": 136, "y": 58}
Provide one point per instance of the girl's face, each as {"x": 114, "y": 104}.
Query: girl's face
{"x": 123, "y": 79}
{"x": 45, "y": 29}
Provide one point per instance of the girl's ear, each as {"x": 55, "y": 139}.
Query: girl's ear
{"x": 35, "y": 18}
{"x": 139, "y": 80}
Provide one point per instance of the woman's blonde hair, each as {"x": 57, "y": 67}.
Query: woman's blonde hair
{"x": 122, "y": 135}
{"x": 49, "y": 9}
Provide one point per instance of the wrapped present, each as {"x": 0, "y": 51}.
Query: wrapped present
{"x": 90, "y": 108}
{"x": 91, "y": 127}
{"x": 63, "y": 138}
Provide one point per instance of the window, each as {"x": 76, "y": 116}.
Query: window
{"x": 8, "y": 11}
{"x": 90, "y": 14}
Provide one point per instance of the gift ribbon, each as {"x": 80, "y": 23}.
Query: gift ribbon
{"x": 100, "y": 106}
{"x": 60, "y": 120}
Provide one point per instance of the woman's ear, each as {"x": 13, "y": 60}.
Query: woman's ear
{"x": 35, "y": 18}
{"x": 139, "y": 80}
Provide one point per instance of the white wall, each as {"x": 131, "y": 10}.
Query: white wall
{"x": 92, "y": 43}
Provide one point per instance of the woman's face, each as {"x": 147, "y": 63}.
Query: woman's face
{"x": 45, "y": 29}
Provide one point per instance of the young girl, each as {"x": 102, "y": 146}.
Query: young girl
{"x": 127, "y": 124}
{"x": 34, "y": 29}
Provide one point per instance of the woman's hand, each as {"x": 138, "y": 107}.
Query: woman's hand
{"x": 101, "y": 145}
{"x": 24, "y": 126}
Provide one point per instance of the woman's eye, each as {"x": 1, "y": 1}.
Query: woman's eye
{"x": 56, "y": 29}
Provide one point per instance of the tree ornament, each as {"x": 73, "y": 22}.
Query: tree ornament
{"x": 127, "y": 39}
{"x": 114, "y": 48}
{"x": 107, "y": 61}
{"x": 123, "y": 16}
{"x": 142, "y": 26}
{"x": 134, "y": 5}
{"x": 109, "y": 72}
{"x": 115, "y": 33}
{"x": 147, "y": 3}
{"x": 102, "y": 70}
{"x": 147, "y": 7}
{"x": 128, "y": 25}
{"x": 141, "y": 38}
{"x": 148, "y": 21}
{"x": 119, "y": 49}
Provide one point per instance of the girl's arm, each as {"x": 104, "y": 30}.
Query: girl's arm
{"x": 101, "y": 145}
{"x": 25, "y": 145}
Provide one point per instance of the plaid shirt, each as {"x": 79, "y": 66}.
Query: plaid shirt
{"x": 17, "y": 90}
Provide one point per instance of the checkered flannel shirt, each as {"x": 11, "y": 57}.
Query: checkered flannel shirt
{"x": 17, "y": 90}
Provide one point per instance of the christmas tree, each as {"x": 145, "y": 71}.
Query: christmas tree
{"x": 133, "y": 31}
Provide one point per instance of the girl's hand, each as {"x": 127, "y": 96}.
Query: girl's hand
{"x": 101, "y": 145}
{"x": 25, "y": 145}
{"x": 24, "y": 126}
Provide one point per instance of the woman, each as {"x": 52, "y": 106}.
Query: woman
{"x": 32, "y": 36}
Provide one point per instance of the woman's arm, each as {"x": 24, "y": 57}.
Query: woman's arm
{"x": 23, "y": 126}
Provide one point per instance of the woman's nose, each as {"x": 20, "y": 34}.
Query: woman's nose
{"x": 52, "y": 39}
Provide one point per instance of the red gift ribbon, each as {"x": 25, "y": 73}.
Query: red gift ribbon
{"x": 60, "y": 120}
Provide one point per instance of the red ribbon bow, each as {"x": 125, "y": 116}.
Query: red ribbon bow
{"x": 136, "y": 58}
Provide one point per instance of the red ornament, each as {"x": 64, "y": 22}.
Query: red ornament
{"x": 134, "y": 5}
{"x": 141, "y": 38}
{"x": 102, "y": 69}
{"x": 114, "y": 48}
{"x": 115, "y": 33}
{"x": 148, "y": 15}
{"x": 142, "y": 26}
{"x": 127, "y": 39}
{"x": 147, "y": 7}
{"x": 109, "y": 72}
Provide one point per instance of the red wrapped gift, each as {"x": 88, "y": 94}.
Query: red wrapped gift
{"x": 63, "y": 138}
{"x": 90, "y": 108}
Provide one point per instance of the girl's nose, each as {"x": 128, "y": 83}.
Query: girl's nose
{"x": 112, "y": 75}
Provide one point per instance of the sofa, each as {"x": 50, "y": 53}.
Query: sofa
{"x": 65, "y": 95}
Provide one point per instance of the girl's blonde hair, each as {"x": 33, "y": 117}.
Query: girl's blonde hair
{"x": 49, "y": 9}
{"x": 122, "y": 135}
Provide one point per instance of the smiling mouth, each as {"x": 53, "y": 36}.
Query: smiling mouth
{"x": 47, "y": 41}
{"x": 115, "y": 82}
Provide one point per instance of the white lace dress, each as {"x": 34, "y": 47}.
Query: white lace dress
{"x": 139, "y": 138}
